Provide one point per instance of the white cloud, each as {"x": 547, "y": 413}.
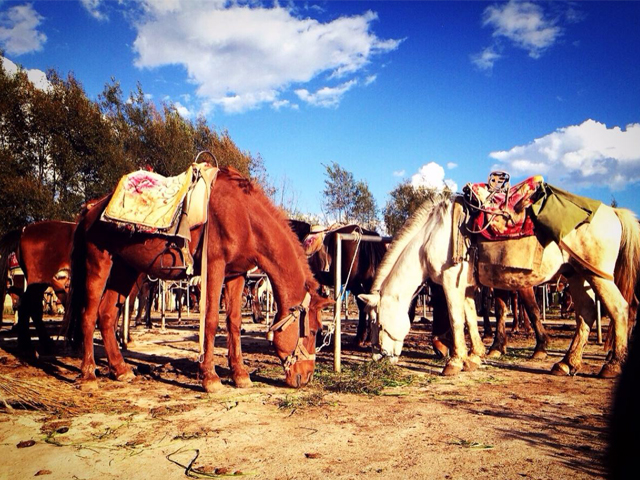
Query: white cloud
{"x": 579, "y": 155}
{"x": 19, "y": 30}
{"x": 452, "y": 165}
{"x": 525, "y": 25}
{"x": 241, "y": 57}
{"x": 486, "y": 59}
{"x": 399, "y": 173}
{"x": 431, "y": 175}
{"x": 326, "y": 96}
{"x": 183, "y": 111}
{"x": 93, "y": 8}
{"x": 35, "y": 76}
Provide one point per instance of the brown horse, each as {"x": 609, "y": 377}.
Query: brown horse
{"x": 244, "y": 229}
{"x": 43, "y": 250}
{"x": 359, "y": 262}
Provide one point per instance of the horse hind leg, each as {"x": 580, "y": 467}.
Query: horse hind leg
{"x": 528, "y": 300}
{"x": 108, "y": 312}
{"x": 499, "y": 346}
{"x": 618, "y": 309}
{"x": 585, "y": 317}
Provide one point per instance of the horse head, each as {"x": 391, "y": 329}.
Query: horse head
{"x": 294, "y": 338}
{"x": 388, "y": 326}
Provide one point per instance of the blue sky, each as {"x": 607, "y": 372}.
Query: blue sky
{"x": 432, "y": 92}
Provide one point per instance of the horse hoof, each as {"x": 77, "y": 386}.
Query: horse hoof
{"x": 539, "y": 355}
{"x": 471, "y": 365}
{"x": 212, "y": 385}
{"x": 451, "y": 370}
{"x": 610, "y": 370}
{"x": 494, "y": 354}
{"x": 560, "y": 369}
{"x": 127, "y": 376}
{"x": 242, "y": 381}
{"x": 440, "y": 349}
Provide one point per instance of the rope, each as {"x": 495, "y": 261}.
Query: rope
{"x": 326, "y": 341}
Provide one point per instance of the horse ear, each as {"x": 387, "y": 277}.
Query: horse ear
{"x": 320, "y": 302}
{"x": 371, "y": 299}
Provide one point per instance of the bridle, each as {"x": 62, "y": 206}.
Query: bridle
{"x": 300, "y": 313}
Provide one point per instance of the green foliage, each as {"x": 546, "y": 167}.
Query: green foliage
{"x": 349, "y": 201}
{"x": 404, "y": 201}
{"x": 59, "y": 149}
{"x": 369, "y": 378}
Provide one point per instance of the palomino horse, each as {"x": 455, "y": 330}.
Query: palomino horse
{"x": 359, "y": 262}
{"x": 244, "y": 229}
{"x": 43, "y": 250}
{"x": 423, "y": 249}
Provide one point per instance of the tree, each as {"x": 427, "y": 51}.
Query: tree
{"x": 405, "y": 200}
{"x": 59, "y": 149}
{"x": 348, "y": 200}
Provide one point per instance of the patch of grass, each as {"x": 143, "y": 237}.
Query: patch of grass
{"x": 294, "y": 402}
{"x": 472, "y": 445}
{"x": 489, "y": 380}
{"x": 369, "y": 378}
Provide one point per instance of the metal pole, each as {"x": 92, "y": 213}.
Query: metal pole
{"x": 125, "y": 323}
{"x": 336, "y": 314}
{"x": 163, "y": 306}
{"x": 599, "y": 322}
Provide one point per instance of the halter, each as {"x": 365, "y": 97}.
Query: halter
{"x": 297, "y": 313}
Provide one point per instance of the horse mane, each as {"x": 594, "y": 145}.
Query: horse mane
{"x": 429, "y": 209}
{"x": 278, "y": 214}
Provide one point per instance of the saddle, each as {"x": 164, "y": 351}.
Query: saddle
{"x": 502, "y": 213}
{"x": 147, "y": 202}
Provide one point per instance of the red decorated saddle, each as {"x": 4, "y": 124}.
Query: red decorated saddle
{"x": 500, "y": 211}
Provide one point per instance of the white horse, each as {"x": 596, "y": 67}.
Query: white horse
{"x": 424, "y": 249}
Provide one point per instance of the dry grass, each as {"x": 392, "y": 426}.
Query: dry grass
{"x": 38, "y": 394}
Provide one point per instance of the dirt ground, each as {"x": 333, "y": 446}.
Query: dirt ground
{"x": 508, "y": 420}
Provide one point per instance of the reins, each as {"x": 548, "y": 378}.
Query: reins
{"x": 299, "y": 313}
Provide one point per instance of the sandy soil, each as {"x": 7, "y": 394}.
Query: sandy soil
{"x": 508, "y": 420}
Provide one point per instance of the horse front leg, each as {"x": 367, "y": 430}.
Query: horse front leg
{"x": 478, "y": 349}
{"x": 456, "y": 303}
{"x": 585, "y": 317}
{"x": 233, "y": 299}
{"x": 499, "y": 346}
{"x": 363, "y": 334}
{"x": 215, "y": 276}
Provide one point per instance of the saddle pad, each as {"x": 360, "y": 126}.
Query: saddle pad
{"x": 522, "y": 253}
{"x": 504, "y": 214}
{"x": 148, "y": 199}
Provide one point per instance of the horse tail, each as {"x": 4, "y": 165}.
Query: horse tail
{"x": 626, "y": 270}
{"x": 8, "y": 245}
{"x": 78, "y": 285}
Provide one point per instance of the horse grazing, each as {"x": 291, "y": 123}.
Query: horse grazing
{"x": 43, "y": 250}
{"x": 424, "y": 249}
{"x": 244, "y": 229}
{"x": 359, "y": 262}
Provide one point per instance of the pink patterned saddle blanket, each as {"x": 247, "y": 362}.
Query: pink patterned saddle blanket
{"x": 149, "y": 202}
{"x": 502, "y": 214}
